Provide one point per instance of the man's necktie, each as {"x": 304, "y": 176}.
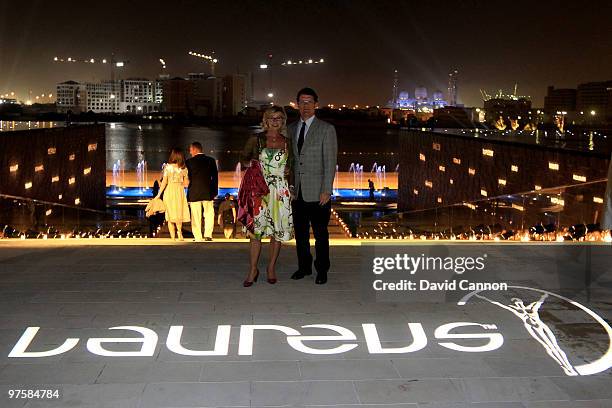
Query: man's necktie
{"x": 301, "y": 137}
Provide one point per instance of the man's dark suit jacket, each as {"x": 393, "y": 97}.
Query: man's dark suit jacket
{"x": 203, "y": 178}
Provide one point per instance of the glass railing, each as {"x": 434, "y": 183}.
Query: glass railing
{"x": 568, "y": 213}
{"x": 26, "y": 218}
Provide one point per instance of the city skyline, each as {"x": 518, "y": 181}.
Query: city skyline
{"x": 362, "y": 42}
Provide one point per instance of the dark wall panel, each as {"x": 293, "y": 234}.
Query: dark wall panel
{"x": 64, "y": 165}
{"x": 424, "y": 184}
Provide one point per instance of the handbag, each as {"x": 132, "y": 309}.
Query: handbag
{"x": 154, "y": 206}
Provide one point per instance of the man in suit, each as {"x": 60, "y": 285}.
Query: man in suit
{"x": 202, "y": 190}
{"x": 315, "y": 149}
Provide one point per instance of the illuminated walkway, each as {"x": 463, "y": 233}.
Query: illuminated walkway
{"x": 79, "y": 290}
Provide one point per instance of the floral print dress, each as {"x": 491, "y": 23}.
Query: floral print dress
{"x": 273, "y": 215}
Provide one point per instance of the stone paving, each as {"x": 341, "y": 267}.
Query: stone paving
{"x": 81, "y": 290}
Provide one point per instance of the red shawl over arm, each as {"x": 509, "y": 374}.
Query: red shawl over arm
{"x": 252, "y": 188}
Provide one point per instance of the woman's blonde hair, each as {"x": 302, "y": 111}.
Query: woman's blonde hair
{"x": 268, "y": 114}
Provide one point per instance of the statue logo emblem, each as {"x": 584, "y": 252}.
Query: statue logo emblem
{"x": 529, "y": 314}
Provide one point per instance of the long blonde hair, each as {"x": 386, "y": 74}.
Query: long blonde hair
{"x": 269, "y": 112}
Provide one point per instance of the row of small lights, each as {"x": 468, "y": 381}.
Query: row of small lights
{"x": 87, "y": 61}
{"x": 524, "y": 236}
{"x": 342, "y": 224}
{"x": 84, "y": 235}
{"x": 490, "y": 153}
{"x": 199, "y": 55}
{"x": 13, "y": 124}
{"x": 510, "y": 132}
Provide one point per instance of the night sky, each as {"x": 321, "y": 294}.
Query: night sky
{"x": 493, "y": 44}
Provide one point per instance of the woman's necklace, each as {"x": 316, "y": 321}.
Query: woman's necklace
{"x": 272, "y": 138}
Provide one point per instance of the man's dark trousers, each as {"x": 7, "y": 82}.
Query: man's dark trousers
{"x": 305, "y": 215}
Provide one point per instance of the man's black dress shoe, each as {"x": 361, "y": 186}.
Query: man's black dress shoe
{"x": 321, "y": 278}
{"x": 299, "y": 274}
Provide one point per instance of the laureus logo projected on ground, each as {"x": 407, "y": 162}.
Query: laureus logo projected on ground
{"x": 527, "y": 308}
{"x": 456, "y": 336}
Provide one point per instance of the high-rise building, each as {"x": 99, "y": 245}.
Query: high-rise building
{"x": 138, "y": 96}
{"x": 178, "y": 96}
{"x": 234, "y": 94}
{"x": 559, "y": 100}
{"x": 452, "y": 87}
{"x": 394, "y": 95}
{"x": 508, "y": 108}
{"x": 208, "y": 96}
{"x": 595, "y": 98}
{"x": 124, "y": 96}
{"x": 68, "y": 97}
{"x": 159, "y": 90}
{"x": 100, "y": 97}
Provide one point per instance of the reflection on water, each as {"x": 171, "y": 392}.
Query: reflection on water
{"x": 132, "y": 143}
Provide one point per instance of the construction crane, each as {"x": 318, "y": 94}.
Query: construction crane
{"x": 110, "y": 61}
{"x": 206, "y": 57}
{"x": 291, "y": 62}
{"x": 485, "y": 95}
{"x": 287, "y": 63}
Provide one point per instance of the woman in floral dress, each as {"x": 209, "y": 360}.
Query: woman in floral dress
{"x": 271, "y": 150}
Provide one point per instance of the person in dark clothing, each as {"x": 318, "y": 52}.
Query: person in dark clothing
{"x": 371, "y": 188}
{"x": 202, "y": 190}
{"x": 155, "y": 188}
{"x": 227, "y": 216}
{"x": 157, "y": 219}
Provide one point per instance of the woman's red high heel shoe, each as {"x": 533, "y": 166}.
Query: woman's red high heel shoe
{"x": 271, "y": 281}
{"x": 248, "y": 283}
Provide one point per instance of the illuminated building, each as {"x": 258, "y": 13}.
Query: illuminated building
{"x": 68, "y": 97}
{"x": 130, "y": 96}
{"x": 420, "y": 102}
{"x": 507, "y": 106}
{"x": 420, "y": 93}
{"x": 138, "y": 96}
{"x": 101, "y": 97}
